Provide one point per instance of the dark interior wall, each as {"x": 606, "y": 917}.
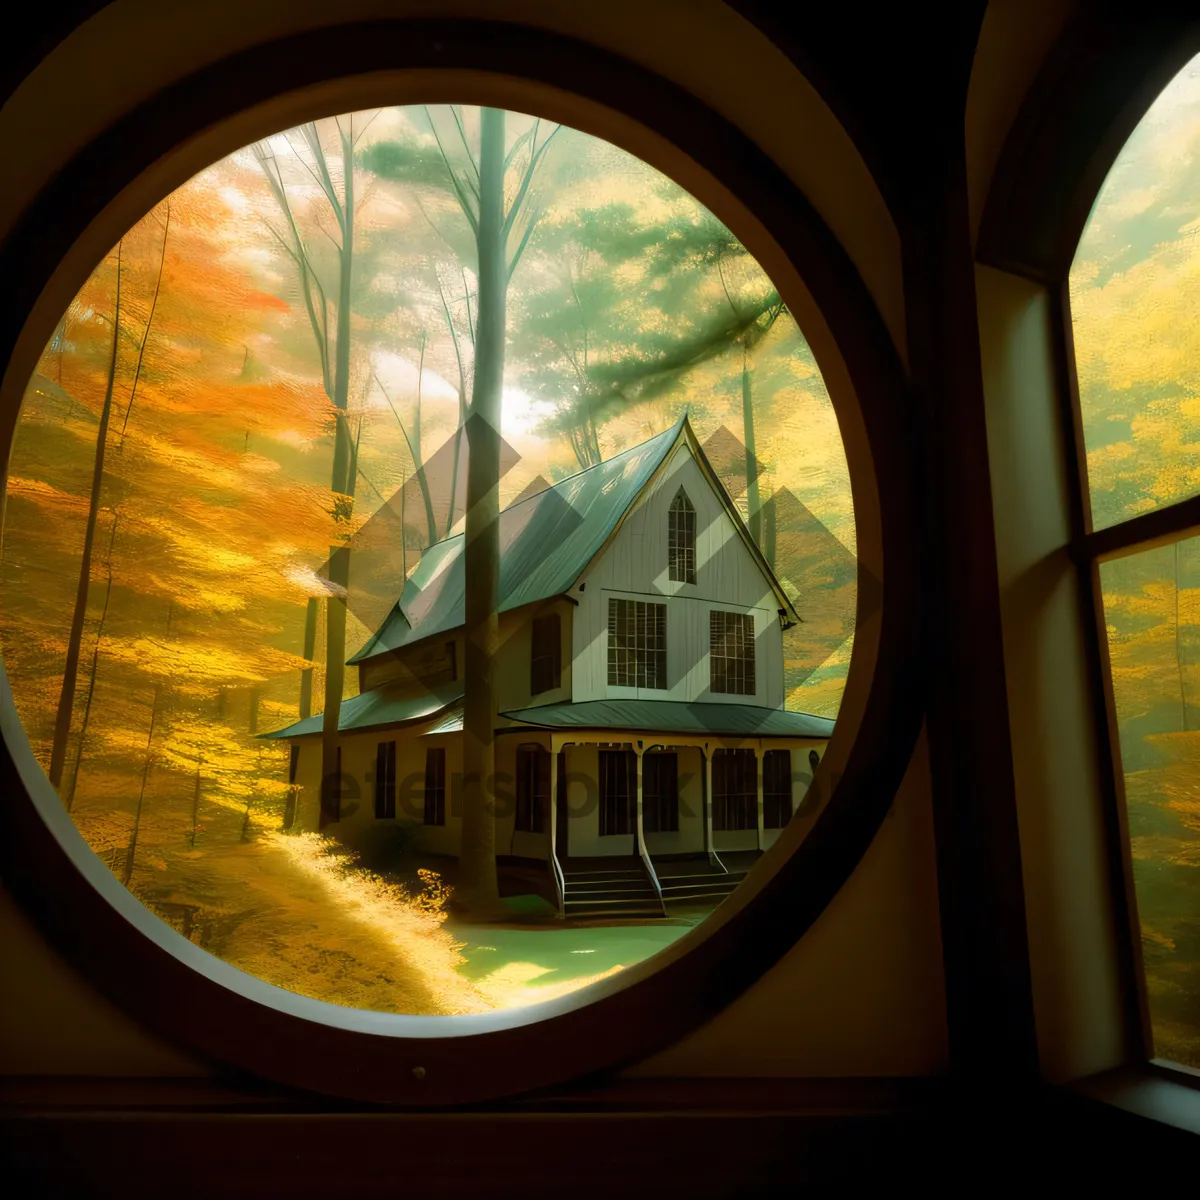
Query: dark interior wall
{"x": 855, "y": 113}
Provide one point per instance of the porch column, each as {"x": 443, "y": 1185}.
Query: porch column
{"x": 639, "y": 832}
{"x": 758, "y": 777}
{"x": 707, "y": 801}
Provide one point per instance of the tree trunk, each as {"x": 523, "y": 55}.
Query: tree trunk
{"x": 310, "y": 646}
{"x": 131, "y": 853}
{"x": 66, "y": 697}
{"x": 477, "y": 874}
{"x": 341, "y": 484}
{"x": 753, "y": 503}
{"x": 91, "y": 691}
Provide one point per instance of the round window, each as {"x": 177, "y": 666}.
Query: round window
{"x": 429, "y": 560}
{"x": 430, "y": 572}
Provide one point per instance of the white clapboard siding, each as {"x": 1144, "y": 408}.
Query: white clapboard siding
{"x": 634, "y": 566}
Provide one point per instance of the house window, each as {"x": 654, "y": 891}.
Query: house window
{"x": 331, "y": 793}
{"x": 289, "y": 808}
{"x": 660, "y": 793}
{"x": 681, "y": 539}
{"x": 637, "y": 644}
{"x": 735, "y": 790}
{"x": 385, "y": 781}
{"x": 618, "y": 792}
{"x": 545, "y": 656}
{"x": 731, "y": 652}
{"x": 777, "y": 788}
{"x": 533, "y": 788}
{"x": 435, "y": 786}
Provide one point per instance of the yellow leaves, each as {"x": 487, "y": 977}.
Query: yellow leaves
{"x": 46, "y": 496}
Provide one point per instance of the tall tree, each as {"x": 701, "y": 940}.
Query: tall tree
{"x": 496, "y": 234}
{"x": 334, "y": 353}
{"x": 66, "y": 700}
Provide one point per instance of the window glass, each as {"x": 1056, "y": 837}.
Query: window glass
{"x": 681, "y": 540}
{"x": 545, "y": 657}
{"x": 777, "y": 788}
{"x": 533, "y": 788}
{"x": 279, "y": 359}
{"x": 435, "y": 786}
{"x": 1152, "y": 612}
{"x": 731, "y": 652}
{"x": 637, "y": 644}
{"x": 1135, "y": 306}
{"x": 735, "y": 789}
{"x": 660, "y": 790}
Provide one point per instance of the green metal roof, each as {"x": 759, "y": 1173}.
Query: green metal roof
{"x": 378, "y": 707}
{"x": 673, "y": 716}
{"x": 546, "y": 541}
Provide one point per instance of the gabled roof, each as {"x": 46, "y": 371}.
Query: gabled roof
{"x": 546, "y": 542}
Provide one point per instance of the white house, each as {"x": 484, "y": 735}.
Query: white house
{"x": 643, "y": 750}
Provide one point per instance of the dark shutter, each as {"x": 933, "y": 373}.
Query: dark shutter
{"x": 777, "y": 788}
{"x": 385, "y": 781}
{"x": 545, "y": 657}
{"x": 435, "y": 786}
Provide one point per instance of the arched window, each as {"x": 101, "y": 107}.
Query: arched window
{"x": 681, "y": 539}
{"x": 1133, "y": 309}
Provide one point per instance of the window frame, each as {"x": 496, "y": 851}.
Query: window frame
{"x": 1053, "y": 166}
{"x": 118, "y": 176}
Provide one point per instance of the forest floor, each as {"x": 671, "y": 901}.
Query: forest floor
{"x": 296, "y": 912}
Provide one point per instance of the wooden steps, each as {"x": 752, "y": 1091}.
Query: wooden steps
{"x": 617, "y": 887}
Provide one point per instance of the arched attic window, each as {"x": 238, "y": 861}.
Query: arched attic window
{"x": 681, "y": 539}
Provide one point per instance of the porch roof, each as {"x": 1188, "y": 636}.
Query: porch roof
{"x": 378, "y": 708}
{"x": 672, "y": 716}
